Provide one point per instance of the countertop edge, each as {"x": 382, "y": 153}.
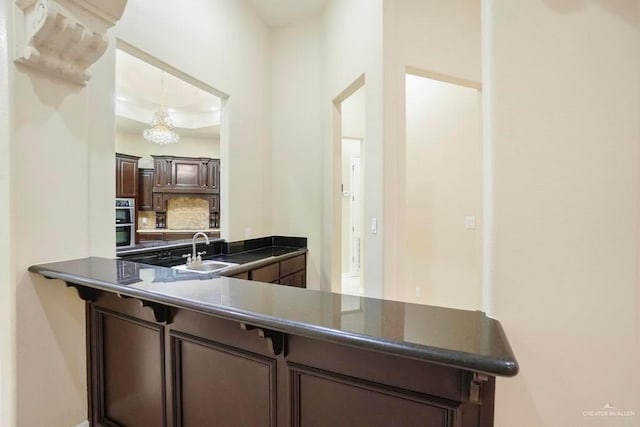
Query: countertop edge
{"x": 241, "y": 268}
{"x": 452, "y": 358}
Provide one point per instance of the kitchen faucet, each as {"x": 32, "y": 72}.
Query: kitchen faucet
{"x": 195, "y": 258}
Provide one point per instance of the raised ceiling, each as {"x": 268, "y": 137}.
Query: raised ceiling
{"x": 142, "y": 89}
{"x": 278, "y": 13}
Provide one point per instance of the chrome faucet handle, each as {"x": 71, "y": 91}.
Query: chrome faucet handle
{"x": 188, "y": 257}
{"x": 199, "y": 257}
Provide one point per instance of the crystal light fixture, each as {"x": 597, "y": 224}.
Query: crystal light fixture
{"x": 160, "y": 131}
{"x": 161, "y": 126}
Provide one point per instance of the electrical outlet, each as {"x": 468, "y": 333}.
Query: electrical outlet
{"x": 470, "y": 222}
{"x": 418, "y": 292}
{"x": 247, "y": 232}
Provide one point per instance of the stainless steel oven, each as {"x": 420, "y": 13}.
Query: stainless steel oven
{"x": 125, "y": 211}
{"x": 125, "y": 236}
{"x": 125, "y": 223}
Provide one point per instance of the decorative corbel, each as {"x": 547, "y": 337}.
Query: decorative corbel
{"x": 63, "y": 38}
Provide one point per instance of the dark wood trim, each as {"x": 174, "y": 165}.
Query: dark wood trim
{"x": 276, "y": 341}
{"x": 86, "y": 294}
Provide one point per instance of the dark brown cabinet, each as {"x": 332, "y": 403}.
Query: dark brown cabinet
{"x": 154, "y": 365}
{"x": 289, "y": 272}
{"x": 145, "y": 190}
{"x": 186, "y": 174}
{"x": 268, "y": 274}
{"x": 213, "y": 175}
{"x": 126, "y": 176}
{"x": 150, "y": 237}
{"x": 162, "y": 172}
{"x": 298, "y": 279}
{"x": 185, "y": 177}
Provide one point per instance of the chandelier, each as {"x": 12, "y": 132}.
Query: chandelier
{"x": 160, "y": 131}
{"x": 161, "y": 126}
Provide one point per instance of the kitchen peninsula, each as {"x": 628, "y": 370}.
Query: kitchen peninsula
{"x": 167, "y": 347}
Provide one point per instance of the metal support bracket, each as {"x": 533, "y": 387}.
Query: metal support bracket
{"x": 275, "y": 340}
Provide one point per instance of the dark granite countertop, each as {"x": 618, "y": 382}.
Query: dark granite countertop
{"x": 459, "y": 338}
{"x": 146, "y": 247}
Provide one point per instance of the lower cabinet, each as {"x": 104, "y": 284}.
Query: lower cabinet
{"x": 298, "y": 280}
{"x": 289, "y": 272}
{"x": 151, "y": 365}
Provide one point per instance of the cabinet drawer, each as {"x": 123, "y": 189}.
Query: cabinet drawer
{"x": 269, "y": 273}
{"x": 149, "y": 237}
{"x": 244, "y": 275}
{"x": 292, "y": 265}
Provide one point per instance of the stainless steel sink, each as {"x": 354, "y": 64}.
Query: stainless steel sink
{"x": 207, "y": 266}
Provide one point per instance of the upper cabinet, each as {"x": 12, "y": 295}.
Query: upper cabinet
{"x": 186, "y": 175}
{"x": 126, "y": 176}
{"x": 145, "y": 189}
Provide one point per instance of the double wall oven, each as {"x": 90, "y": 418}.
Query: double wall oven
{"x": 125, "y": 223}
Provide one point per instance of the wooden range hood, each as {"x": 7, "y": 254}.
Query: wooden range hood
{"x": 175, "y": 177}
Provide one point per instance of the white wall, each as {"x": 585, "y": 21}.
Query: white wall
{"x": 136, "y": 145}
{"x": 225, "y": 45}
{"x": 7, "y": 287}
{"x": 442, "y": 38}
{"x": 442, "y": 260}
{"x": 352, "y": 46}
{"x": 564, "y": 109}
{"x": 51, "y": 149}
{"x": 59, "y": 151}
{"x": 353, "y": 115}
{"x": 297, "y": 138}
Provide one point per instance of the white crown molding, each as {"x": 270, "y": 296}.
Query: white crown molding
{"x": 63, "y": 38}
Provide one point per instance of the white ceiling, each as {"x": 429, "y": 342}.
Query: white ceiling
{"x": 278, "y": 13}
{"x": 135, "y": 127}
{"x": 142, "y": 89}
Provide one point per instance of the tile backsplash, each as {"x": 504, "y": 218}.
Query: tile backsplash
{"x": 187, "y": 213}
{"x": 146, "y": 220}
{"x": 183, "y": 213}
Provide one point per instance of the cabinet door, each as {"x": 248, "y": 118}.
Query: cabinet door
{"x": 269, "y": 273}
{"x": 126, "y": 177}
{"x": 291, "y": 265}
{"x": 297, "y": 280}
{"x": 145, "y": 189}
{"x": 186, "y": 173}
{"x": 149, "y": 237}
{"x": 162, "y": 169}
{"x": 214, "y": 175}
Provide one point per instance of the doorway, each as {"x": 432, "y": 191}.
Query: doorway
{"x": 443, "y": 193}
{"x": 352, "y": 197}
{"x": 352, "y": 215}
{"x": 162, "y": 113}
